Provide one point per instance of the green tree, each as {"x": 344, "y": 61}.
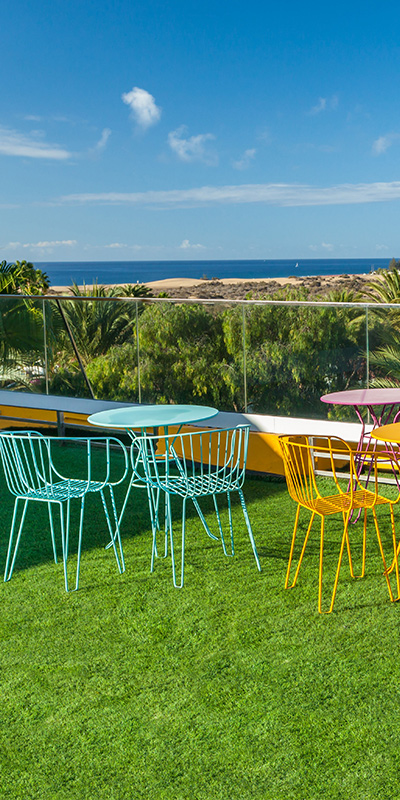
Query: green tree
{"x": 385, "y": 322}
{"x": 293, "y": 355}
{"x": 114, "y": 376}
{"x": 100, "y": 327}
{"x": 183, "y": 355}
{"x": 21, "y": 277}
{"x": 96, "y": 325}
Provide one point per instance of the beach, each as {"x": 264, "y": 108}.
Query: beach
{"x": 241, "y": 288}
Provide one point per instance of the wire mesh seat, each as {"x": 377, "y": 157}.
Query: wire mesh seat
{"x": 299, "y": 458}
{"x": 191, "y": 466}
{"x": 31, "y": 475}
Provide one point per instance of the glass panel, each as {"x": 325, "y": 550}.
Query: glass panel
{"x": 271, "y": 358}
{"x": 21, "y": 343}
{"x": 92, "y": 346}
{"x": 183, "y": 354}
{"x": 297, "y": 353}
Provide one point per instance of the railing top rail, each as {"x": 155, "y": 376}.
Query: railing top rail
{"x": 199, "y": 301}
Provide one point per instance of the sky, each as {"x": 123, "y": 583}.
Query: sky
{"x": 171, "y": 130}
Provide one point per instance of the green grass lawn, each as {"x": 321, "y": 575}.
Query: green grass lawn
{"x": 228, "y": 689}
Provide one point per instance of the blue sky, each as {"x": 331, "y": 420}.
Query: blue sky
{"x": 210, "y": 130}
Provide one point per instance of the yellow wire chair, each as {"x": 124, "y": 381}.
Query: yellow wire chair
{"x": 299, "y": 456}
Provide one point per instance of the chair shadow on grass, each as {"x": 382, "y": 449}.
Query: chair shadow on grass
{"x": 35, "y": 547}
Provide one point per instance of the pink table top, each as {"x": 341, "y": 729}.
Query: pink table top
{"x": 363, "y": 397}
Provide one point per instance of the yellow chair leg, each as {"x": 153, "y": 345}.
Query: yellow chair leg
{"x": 302, "y": 550}
{"x": 395, "y": 552}
{"x": 321, "y": 556}
{"x": 364, "y": 548}
{"x": 296, "y": 522}
{"x": 386, "y": 571}
{"x": 343, "y": 542}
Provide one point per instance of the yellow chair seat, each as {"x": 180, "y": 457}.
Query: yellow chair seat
{"x": 331, "y": 504}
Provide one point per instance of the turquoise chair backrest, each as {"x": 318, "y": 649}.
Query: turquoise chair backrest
{"x": 218, "y": 456}
{"x": 26, "y": 462}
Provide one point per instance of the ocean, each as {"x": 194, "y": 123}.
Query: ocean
{"x": 63, "y": 273}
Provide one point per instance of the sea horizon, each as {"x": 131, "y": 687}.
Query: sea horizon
{"x": 64, "y": 273}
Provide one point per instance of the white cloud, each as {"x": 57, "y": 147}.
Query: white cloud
{"x": 321, "y": 106}
{"x": 324, "y": 103}
{"x": 246, "y": 159}
{"x": 193, "y": 148}
{"x": 323, "y": 246}
{"x": 41, "y": 245}
{"x": 13, "y": 143}
{"x": 383, "y": 143}
{"x": 274, "y": 194}
{"x": 115, "y": 245}
{"x": 101, "y": 144}
{"x": 143, "y": 107}
{"x": 381, "y": 247}
{"x": 187, "y": 246}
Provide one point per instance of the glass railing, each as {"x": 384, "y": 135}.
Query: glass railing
{"x": 264, "y": 356}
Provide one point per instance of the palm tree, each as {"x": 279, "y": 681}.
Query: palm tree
{"x": 385, "y": 357}
{"x": 386, "y": 287}
{"x": 21, "y": 328}
{"x": 96, "y": 324}
{"x": 21, "y": 277}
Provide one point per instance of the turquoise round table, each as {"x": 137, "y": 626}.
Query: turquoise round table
{"x": 140, "y": 418}
{"x": 156, "y": 416}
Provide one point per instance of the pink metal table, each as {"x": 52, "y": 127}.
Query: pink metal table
{"x": 382, "y": 404}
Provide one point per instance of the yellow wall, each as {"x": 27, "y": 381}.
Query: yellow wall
{"x": 263, "y": 454}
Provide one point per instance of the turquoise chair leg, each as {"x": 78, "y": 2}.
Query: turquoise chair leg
{"x": 113, "y": 536}
{"x": 67, "y": 526}
{"x": 78, "y": 565}
{"x": 9, "y": 572}
{"x": 220, "y": 529}
{"x": 250, "y": 532}
{"x": 53, "y": 539}
{"x": 171, "y": 537}
{"x": 153, "y": 523}
{"x": 232, "y": 553}
{"x": 154, "y": 504}
{"x": 117, "y": 533}
{"x": 202, "y": 518}
{"x": 228, "y": 495}
{"x": 128, "y": 491}
{"x": 165, "y": 527}
{"x": 64, "y": 543}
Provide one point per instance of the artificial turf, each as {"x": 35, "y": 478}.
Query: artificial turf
{"x": 229, "y": 688}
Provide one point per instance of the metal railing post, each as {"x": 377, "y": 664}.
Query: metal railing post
{"x": 367, "y": 344}
{"x": 244, "y": 358}
{"x": 46, "y": 367}
{"x": 367, "y": 358}
{"x": 138, "y": 352}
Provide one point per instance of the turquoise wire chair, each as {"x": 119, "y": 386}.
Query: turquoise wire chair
{"x": 191, "y": 466}
{"x": 31, "y": 475}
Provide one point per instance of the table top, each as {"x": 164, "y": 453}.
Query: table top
{"x": 363, "y": 397}
{"x": 388, "y": 433}
{"x": 151, "y": 416}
